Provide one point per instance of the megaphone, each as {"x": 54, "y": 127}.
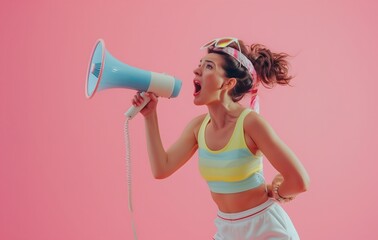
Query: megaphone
{"x": 105, "y": 71}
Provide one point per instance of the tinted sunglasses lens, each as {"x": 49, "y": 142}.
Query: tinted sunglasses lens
{"x": 224, "y": 42}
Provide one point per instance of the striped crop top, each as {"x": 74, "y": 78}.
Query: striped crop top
{"x": 234, "y": 168}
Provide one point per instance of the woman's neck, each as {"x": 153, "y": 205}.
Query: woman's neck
{"x": 222, "y": 114}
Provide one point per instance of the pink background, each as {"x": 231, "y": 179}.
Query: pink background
{"x": 62, "y": 167}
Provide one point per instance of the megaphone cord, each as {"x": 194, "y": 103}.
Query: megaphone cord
{"x": 129, "y": 174}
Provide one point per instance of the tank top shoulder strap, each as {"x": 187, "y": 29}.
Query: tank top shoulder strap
{"x": 201, "y": 132}
{"x": 237, "y": 140}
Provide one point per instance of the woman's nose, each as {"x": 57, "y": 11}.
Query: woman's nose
{"x": 197, "y": 71}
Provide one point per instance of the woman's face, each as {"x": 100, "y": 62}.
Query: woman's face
{"x": 209, "y": 79}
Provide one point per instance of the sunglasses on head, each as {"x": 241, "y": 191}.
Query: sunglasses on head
{"x": 223, "y": 45}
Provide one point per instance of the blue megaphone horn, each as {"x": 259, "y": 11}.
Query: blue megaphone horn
{"x": 105, "y": 71}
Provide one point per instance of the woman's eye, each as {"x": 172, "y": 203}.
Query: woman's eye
{"x": 209, "y": 66}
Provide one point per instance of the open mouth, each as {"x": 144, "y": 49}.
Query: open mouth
{"x": 197, "y": 87}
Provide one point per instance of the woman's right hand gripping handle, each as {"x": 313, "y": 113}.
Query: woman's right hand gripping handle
{"x": 139, "y": 102}
{"x": 148, "y": 99}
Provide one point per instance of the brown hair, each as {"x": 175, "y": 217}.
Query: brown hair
{"x": 271, "y": 68}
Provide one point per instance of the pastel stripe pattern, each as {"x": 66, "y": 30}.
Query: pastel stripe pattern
{"x": 234, "y": 168}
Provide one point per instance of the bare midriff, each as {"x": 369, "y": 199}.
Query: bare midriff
{"x": 238, "y": 202}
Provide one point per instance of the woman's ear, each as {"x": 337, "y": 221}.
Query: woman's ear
{"x": 230, "y": 83}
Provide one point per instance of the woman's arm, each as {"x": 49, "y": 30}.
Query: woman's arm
{"x": 295, "y": 177}
{"x": 164, "y": 163}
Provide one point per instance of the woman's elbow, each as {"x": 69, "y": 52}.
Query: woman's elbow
{"x": 299, "y": 183}
{"x": 160, "y": 175}
{"x": 304, "y": 183}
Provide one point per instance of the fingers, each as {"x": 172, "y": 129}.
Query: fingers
{"x": 278, "y": 179}
{"x": 153, "y": 96}
{"x": 138, "y": 98}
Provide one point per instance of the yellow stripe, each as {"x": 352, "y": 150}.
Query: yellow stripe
{"x": 229, "y": 174}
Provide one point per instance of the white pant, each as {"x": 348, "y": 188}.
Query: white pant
{"x": 267, "y": 221}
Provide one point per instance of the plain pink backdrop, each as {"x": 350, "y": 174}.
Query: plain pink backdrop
{"x": 62, "y": 167}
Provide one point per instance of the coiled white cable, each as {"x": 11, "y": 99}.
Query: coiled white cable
{"x": 129, "y": 177}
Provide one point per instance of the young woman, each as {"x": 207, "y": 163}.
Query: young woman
{"x": 231, "y": 141}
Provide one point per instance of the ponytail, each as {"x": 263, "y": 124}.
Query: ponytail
{"x": 271, "y": 68}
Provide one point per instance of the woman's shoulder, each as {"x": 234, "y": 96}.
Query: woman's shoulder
{"x": 197, "y": 121}
{"x": 251, "y": 115}
{"x": 254, "y": 120}
{"x": 256, "y": 126}
{"x": 195, "y": 124}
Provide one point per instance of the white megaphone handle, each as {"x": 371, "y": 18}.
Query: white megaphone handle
{"x": 134, "y": 110}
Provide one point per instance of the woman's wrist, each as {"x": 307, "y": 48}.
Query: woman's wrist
{"x": 278, "y": 196}
{"x": 151, "y": 116}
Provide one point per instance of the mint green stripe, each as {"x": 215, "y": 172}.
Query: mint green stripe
{"x": 253, "y": 181}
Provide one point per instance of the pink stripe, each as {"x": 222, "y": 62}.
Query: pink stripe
{"x": 236, "y": 54}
